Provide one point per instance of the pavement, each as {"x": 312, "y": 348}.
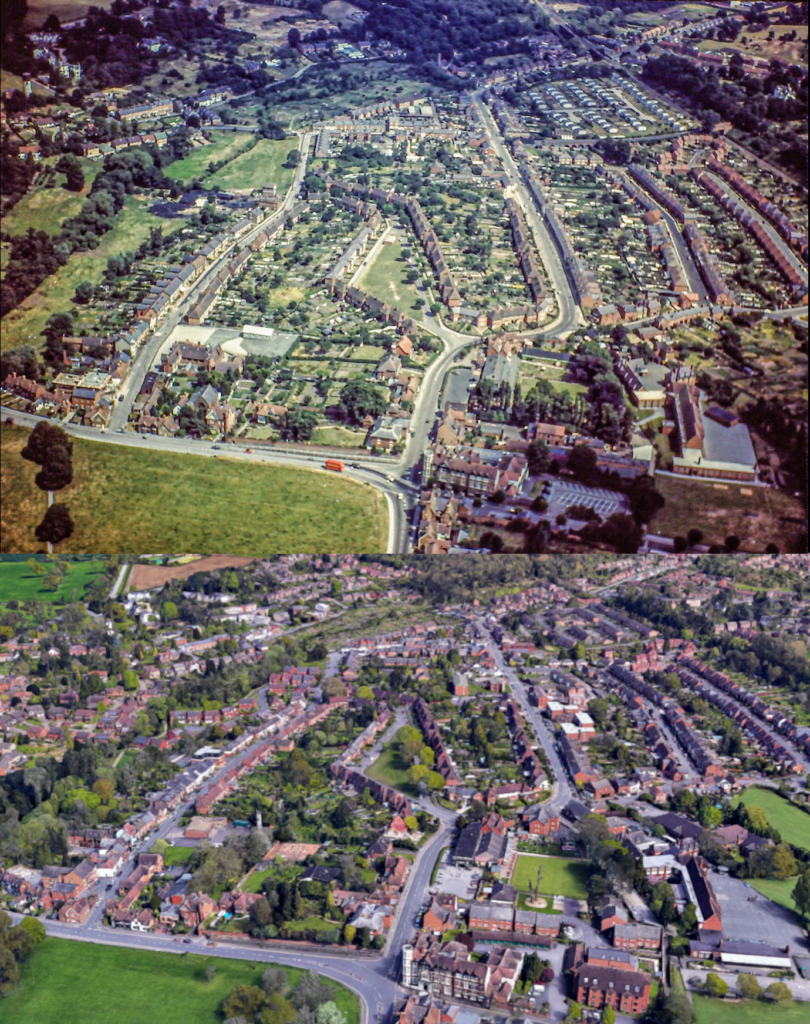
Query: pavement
{"x": 755, "y": 920}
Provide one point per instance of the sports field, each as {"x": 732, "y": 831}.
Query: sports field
{"x": 126, "y": 499}
{"x": 793, "y": 824}
{"x": 747, "y": 1011}
{"x": 18, "y": 582}
{"x": 560, "y": 876}
{"x": 66, "y": 982}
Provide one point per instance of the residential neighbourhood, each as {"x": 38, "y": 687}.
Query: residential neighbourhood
{"x": 523, "y": 292}
{"x": 583, "y": 788}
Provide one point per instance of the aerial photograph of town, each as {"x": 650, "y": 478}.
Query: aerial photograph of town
{"x": 404, "y": 276}
{"x": 385, "y": 789}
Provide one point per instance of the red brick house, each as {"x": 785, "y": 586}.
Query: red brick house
{"x": 625, "y": 991}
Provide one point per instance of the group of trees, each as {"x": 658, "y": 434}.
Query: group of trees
{"x": 311, "y": 1001}
{"x": 51, "y": 448}
{"x": 16, "y": 943}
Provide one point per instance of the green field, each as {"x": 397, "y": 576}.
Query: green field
{"x": 224, "y": 146}
{"x": 747, "y": 1011}
{"x": 780, "y": 892}
{"x": 259, "y": 166}
{"x": 385, "y": 279}
{"x": 44, "y": 209}
{"x": 66, "y": 982}
{"x": 793, "y": 824}
{"x": 176, "y": 855}
{"x": 391, "y": 771}
{"x": 720, "y": 510}
{"x": 339, "y": 436}
{"x": 18, "y": 582}
{"x": 561, "y": 876}
{"x": 24, "y": 325}
{"x": 126, "y": 499}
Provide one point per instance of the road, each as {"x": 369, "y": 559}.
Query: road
{"x": 569, "y": 317}
{"x": 561, "y": 790}
{"x": 145, "y": 358}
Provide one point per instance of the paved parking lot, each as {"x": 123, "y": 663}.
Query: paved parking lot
{"x": 461, "y": 882}
{"x": 563, "y": 494}
{"x": 757, "y": 920}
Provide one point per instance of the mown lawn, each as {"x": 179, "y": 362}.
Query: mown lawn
{"x": 390, "y": 769}
{"x": 747, "y": 1011}
{"x": 259, "y": 166}
{"x": 177, "y": 855}
{"x": 19, "y": 582}
{"x": 793, "y": 824}
{"x": 25, "y": 324}
{"x": 385, "y": 279}
{"x": 65, "y": 982}
{"x": 780, "y": 892}
{"x": 126, "y": 499}
{"x": 560, "y": 876}
{"x": 760, "y": 518}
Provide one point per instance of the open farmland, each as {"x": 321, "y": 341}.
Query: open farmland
{"x": 124, "y": 499}
{"x": 146, "y": 577}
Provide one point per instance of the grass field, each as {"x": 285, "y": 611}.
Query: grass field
{"x": 126, "y": 499}
{"x": 224, "y": 146}
{"x": 793, "y": 824}
{"x": 65, "y": 10}
{"x": 24, "y": 325}
{"x": 44, "y": 209}
{"x": 757, "y": 519}
{"x": 135, "y": 986}
{"x": 385, "y": 279}
{"x": 561, "y": 876}
{"x": 260, "y": 166}
{"x": 747, "y": 1011}
{"x": 339, "y": 436}
{"x": 759, "y": 46}
{"x": 177, "y": 855}
{"x": 17, "y": 581}
{"x": 391, "y": 771}
{"x": 776, "y": 890}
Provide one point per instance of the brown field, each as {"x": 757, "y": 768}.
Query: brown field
{"x": 145, "y": 577}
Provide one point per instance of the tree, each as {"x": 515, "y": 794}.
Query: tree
{"x": 435, "y": 782}
{"x": 360, "y": 398}
{"x": 574, "y": 1011}
{"x": 801, "y": 893}
{"x": 210, "y": 971}
{"x": 678, "y": 1010}
{"x": 328, "y": 1013}
{"x": 312, "y": 992}
{"x": 274, "y": 979}
{"x": 608, "y": 1015}
{"x": 593, "y": 830}
{"x": 779, "y": 992}
{"x": 278, "y": 1010}
{"x": 538, "y": 456}
{"x": 694, "y": 536}
{"x": 349, "y": 932}
{"x": 715, "y": 986}
{"x": 426, "y": 755}
{"x": 582, "y": 463}
{"x": 104, "y": 790}
{"x": 783, "y": 863}
{"x": 416, "y": 773}
{"x": 84, "y": 293}
{"x": 749, "y": 987}
{"x": 169, "y": 611}
{"x": 293, "y": 37}
{"x": 244, "y": 1000}
{"x": 688, "y": 920}
{"x": 732, "y": 542}
{"x": 34, "y": 927}
{"x": 56, "y": 524}
{"x": 9, "y": 971}
{"x": 260, "y": 913}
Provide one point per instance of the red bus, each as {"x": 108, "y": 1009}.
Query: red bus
{"x": 334, "y": 464}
